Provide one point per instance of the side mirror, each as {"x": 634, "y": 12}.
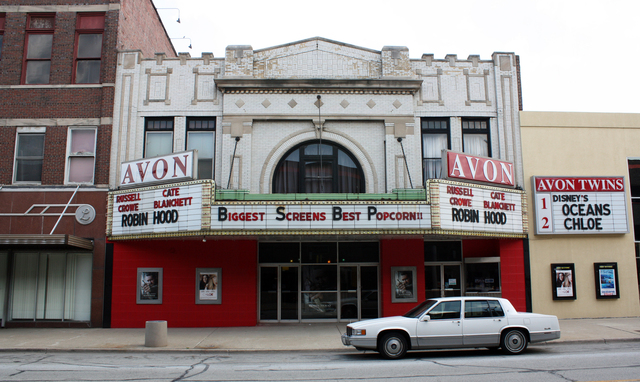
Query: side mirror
{"x": 426, "y": 318}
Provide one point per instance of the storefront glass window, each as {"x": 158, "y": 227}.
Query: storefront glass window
{"x": 305, "y": 281}
{"x": 442, "y": 251}
{"x": 482, "y": 278}
{"x": 634, "y": 181}
{"x": 51, "y": 286}
{"x": 319, "y": 253}
{"x": 358, "y": 252}
{"x": 279, "y": 253}
{"x": 3, "y": 282}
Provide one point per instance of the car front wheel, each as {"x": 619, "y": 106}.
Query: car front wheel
{"x": 514, "y": 341}
{"x": 392, "y": 346}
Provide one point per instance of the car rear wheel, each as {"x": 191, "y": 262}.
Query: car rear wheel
{"x": 392, "y": 345}
{"x": 514, "y": 341}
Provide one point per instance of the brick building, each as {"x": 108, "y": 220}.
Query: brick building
{"x": 57, "y": 82}
{"x": 349, "y": 183}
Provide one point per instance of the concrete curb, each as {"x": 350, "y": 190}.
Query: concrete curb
{"x": 348, "y": 349}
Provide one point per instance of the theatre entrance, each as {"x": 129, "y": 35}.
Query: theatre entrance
{"x": 318, "y": 281}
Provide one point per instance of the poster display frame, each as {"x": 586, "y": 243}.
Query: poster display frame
{"x": 563, "y": 281}
{"x": 204, "y": 293}
{"x": 399, "y": 291}
{"x": 604, "y": 287}
{"x": 149, "y": 297}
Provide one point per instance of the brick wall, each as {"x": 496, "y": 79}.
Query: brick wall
{"x": 7, "y": 137}
{"x": 55, "y": 103}
{"x": 103, "y": 151}
{"x": 62, "y": 49}
{"x": 55, "y": 149}
{"x": 140, "y": 28}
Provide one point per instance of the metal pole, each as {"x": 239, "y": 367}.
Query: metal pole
{"x": 405, "y": 162}
{"x": 233, "y": 158}
{"x": 65, "y": 210}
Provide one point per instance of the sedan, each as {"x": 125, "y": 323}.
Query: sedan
{"x": 453, "y": 322}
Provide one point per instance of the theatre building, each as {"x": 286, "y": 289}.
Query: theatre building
{"x": 584, "y": 219}
{"x": 312, "y": 181}
{"x": 57, "y": 81}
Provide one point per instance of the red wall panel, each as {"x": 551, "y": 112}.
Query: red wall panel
{"x": 179, "y": 260}
{"x": 512, "y": 273}
{"x": 400, "y": 253}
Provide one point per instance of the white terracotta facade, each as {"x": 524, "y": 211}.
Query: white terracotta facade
{"x": 268, "y": 98}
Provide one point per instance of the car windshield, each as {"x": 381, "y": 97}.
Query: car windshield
{"x": 419, "y": 309}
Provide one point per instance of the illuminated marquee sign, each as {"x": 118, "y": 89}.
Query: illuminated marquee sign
{"x": 470, "y": 168}
{"x": 171, "y": 168}
{"x": 176, "y": 208}
{"x": 580, "y": 205}
{"x": 465, "y": 207}
{"x": 321, "y": 217}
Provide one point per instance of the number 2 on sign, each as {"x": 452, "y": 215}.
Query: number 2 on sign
{"x": 546, "y": 223}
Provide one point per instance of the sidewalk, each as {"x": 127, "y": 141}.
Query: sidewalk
{"x": 294, "y": 337}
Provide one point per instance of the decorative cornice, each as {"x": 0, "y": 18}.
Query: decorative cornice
{"x": 301, "y": 86}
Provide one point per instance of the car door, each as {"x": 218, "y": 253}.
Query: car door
{"x": 443, "y": 328}
{"x": 483, "y": 320}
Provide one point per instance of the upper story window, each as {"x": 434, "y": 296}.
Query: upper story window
{"x": 435, "y": 138}
{"x": 158, "y": 136}
{"x": 29, "y": 157}
{"x": 318, "y": 168}
{"x": 81, "y": 155}
{"x": 2, "y": 17}
{"x": 201, "y": 136}
{"x": 88, "y": 48}
{"x": 475, "y": 137}
{"x": 37, "y": 52}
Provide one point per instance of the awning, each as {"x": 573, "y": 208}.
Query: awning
{"x": 43, "y": 240}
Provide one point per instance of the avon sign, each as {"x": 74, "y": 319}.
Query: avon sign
{"x": 480, "y": 169}
{"x": 169, "y": 168}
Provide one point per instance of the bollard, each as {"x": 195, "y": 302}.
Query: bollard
{"x": 155, "y": 334}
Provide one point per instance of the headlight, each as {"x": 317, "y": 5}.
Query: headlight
{"x": 359, "y": 332}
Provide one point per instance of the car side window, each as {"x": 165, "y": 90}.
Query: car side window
{"x": 446, "y": 310}
{"x": 476, "y": 309}
{"x": 496, "y": 308}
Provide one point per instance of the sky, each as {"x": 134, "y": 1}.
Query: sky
{"x": 574, "y": 55}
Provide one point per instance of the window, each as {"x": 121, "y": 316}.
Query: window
{"x": 51, "y": 286}
{"x": 318, "y": 168}
{"x": 446, "y": 310}
{"x": 634, "y": 182}
{"x": 201, "y": 136}
{"x": 158, "y": 137}
{"x": 37, "y": 56}
{"x": 29, "y": 157}
{"x": 481, "y": 308}
{"x": 476, "y": 309}
{"x": 88, "y": 48}
{"x": 475, "y": 137}
{"x": 2, "y": 17}
{"x": 81, "y": 157}
{"x": 435, "y": 138}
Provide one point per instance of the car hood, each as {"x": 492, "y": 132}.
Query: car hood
{"x": 383, "y": 322}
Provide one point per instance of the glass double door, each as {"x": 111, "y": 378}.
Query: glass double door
{"x": 443, "y": 280}
{"x": 318, "y": 292}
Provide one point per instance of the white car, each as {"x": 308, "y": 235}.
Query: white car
{"x": 453, "y": 322}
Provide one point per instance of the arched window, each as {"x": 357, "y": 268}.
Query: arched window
{"x": 318, "y": 168}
